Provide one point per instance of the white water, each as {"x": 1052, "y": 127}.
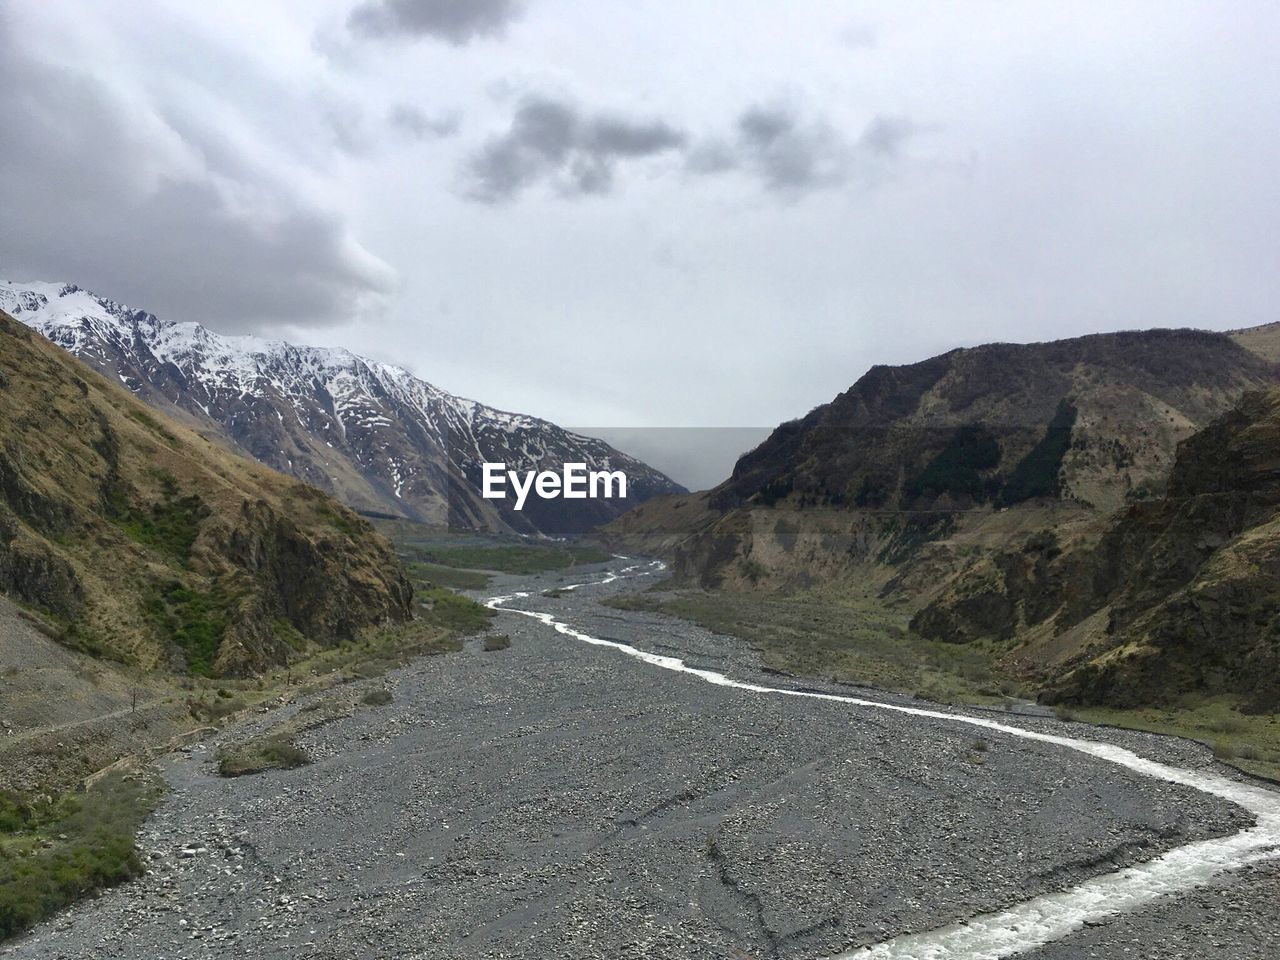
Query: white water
{"x": 1044, "y": 919}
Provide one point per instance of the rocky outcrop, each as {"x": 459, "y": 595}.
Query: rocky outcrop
{"x": 1184, "y": 591}
{"x": 1191, "y": 582}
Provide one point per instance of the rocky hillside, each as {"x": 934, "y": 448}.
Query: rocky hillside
{"x": 371, "y": 433}
{"x": 1026, "y": 497}
{"x": 1182, "y": 594}
{"x": 937, "y": 461}
{"x": 1092, "y": 420}
{"x": 137, "y": 539}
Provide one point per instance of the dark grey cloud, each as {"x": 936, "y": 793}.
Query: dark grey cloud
{"x": 419, "y": 125}
{"x": 886, "y": 136}
{"x": 105, "y": 192}
{"x": 454, "y": 21}
{"x": 551, "y": 140}
{"x": 792, "y": 155}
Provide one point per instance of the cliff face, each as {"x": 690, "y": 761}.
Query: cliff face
{"x": 145, "y": 542}
{"x": 1190, "y": 583}
{"x": 1174, "y": 596}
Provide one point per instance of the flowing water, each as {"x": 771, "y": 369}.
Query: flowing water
{"x": 1044, "y": 919}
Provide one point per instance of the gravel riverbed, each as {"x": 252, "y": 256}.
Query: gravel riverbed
{"x": 560, "y": 800}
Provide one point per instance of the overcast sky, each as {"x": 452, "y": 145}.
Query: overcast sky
{"x": 651, "y": 213}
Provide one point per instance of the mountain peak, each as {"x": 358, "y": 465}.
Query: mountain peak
{"x": 369, "y": 431}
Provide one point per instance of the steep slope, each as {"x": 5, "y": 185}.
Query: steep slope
{"x": 1186, "y": 589}
{"x": 371, "y": 433}
{"x": 918, "y": 472}
{"x": 147, "y": 543}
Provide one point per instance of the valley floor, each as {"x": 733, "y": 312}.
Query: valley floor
{"x": 562, "y": 799}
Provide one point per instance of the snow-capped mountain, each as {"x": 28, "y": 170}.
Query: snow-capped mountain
{"x": 370, "y": 432}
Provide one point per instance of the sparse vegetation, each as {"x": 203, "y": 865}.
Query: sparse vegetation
{"x": 170, "y": 525}
{"x": 511, "y": 558}
{"x": 192, "y": 619}
{"x": 270, "y": 752}
{"x": 842, "y": 637}
{"x": 1038, "y": 474}
{"x": 377, "y": 697}
{"x": 444, "y": 608}
{"x": 958, "y": 468}
{"x": 54, "y": 851}
{"x": 439, "y": 575}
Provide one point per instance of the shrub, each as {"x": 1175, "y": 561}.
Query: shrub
{"x": 192, "y": 619}
{"x": 78, "y": 845}
{"x": 496, "y": 641}
{"x": 259, "y": 754}
{"x": 444, "y": 608}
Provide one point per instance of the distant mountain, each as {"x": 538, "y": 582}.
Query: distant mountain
{"x": 371, "y": 433}
{"x": 141, "y": 541}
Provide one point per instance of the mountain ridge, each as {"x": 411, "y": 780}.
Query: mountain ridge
{"x": 374, "y": 434}
{"x": 983, "y": 494}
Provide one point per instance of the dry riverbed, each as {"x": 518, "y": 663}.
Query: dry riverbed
{"x": 557, "y": 799}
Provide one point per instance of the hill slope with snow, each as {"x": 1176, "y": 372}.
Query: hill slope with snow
{"x": 372, "y": 433}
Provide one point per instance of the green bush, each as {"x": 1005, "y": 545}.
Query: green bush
{"x": 259, "y": 754}
{"x": 194, "y": 620}
{"x": 444, "y": 608}
{"x": 171, "y": 525}
{"x": 60, "y": 851}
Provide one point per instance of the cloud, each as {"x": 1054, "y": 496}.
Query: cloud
{"x": 419, "y": 125}
{"x": 455, "y": 21}
{"x": 552, "y": 140}
{"x": 792, "y": 156}
{"x": 109, "y": 192}
{"x": 886, "y": 136}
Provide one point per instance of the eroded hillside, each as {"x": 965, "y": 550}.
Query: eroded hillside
{"x": 142, "y": 541}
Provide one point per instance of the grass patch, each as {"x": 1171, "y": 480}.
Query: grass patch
{"x": 496, "y": 641}
{"x": 439, "y": 575}
{"x": 192, "y": 619}
{"x": 56, "y": 851}
{"x": 444, "y": 608}
{"x": 255, "y": 755}
{"x": 170, "y": 525}
{"x": 512, "y": 558}
{"x": 152, "y": 424}
{"x": 1249, "y": 742}
{"x": 852, "y": 639}
{"x": 378, "y": 697}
